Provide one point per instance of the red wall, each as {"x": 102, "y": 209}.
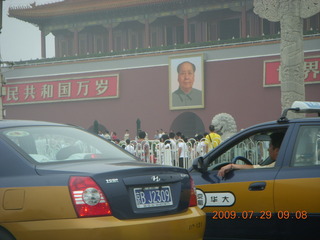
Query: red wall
{"x": 231, "y": 86}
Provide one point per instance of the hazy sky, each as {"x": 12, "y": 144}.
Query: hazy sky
{"x": 20, "y": 40}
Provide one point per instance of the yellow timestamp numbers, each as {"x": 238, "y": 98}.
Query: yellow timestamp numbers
{"x": 260, "y": 215}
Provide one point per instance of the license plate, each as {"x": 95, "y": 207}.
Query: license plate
{"x": 153, "y": 197}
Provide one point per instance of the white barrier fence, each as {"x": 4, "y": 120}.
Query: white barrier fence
{"x": 167, "y": 154}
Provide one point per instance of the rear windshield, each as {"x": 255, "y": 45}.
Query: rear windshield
{"x": 55, "y": 143}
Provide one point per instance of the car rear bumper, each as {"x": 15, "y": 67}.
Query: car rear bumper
{"x": 186, "y": 225}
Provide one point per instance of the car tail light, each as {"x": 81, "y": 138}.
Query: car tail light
{"x": 193, "y": 196}
{"x": 88, "y": 198}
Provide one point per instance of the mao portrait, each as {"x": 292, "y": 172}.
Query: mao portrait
{"x": 186, "y": 82}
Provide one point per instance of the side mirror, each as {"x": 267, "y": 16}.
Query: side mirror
{"x": 198, "y": 164}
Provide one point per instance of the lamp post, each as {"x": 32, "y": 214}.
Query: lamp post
{"x": 1, "y": 9}
{"x": 1, "y": 76}
{"x": 1, "y": 94}
{"x": 138, "y": 123}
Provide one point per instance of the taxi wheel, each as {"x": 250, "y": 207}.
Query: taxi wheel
{"x": 245, "y": 160}
{"x": 5, "y": 235}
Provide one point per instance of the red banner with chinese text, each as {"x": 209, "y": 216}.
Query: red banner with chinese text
{"x": 311, "y": 71}
{"x": 80, "y": 89}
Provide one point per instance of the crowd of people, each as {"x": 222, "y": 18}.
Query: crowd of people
{"x": 166, "y": 148}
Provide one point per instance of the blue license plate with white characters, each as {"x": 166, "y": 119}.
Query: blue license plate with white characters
{"x": 149, "y": 197}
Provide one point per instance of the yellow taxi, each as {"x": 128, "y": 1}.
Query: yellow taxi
{"x": 264, "y": 182}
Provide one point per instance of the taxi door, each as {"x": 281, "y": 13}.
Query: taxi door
{"x": 238, "y": 203}
{"x": 297, "y": 186}
{"x": 243, "y": 201}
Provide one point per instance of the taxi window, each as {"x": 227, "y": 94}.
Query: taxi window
{"x": 307, "y": 147}
{"x": 58, "y": 144}
{"x": 253, "y": 147}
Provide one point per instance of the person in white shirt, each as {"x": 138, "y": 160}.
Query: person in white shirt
{"x": 201, "y": 146}
{"x": 129, "y": 147}
{"x": 182, "y": 151}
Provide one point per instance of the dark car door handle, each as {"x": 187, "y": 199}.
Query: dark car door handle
{"x": 257, "y": 186}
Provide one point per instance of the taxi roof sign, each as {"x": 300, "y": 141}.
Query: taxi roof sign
{"x": 301, "y": 107}
{"x": 306, "y": 107}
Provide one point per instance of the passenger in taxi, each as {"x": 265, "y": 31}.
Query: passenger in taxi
{"x": 274, "y": 147}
